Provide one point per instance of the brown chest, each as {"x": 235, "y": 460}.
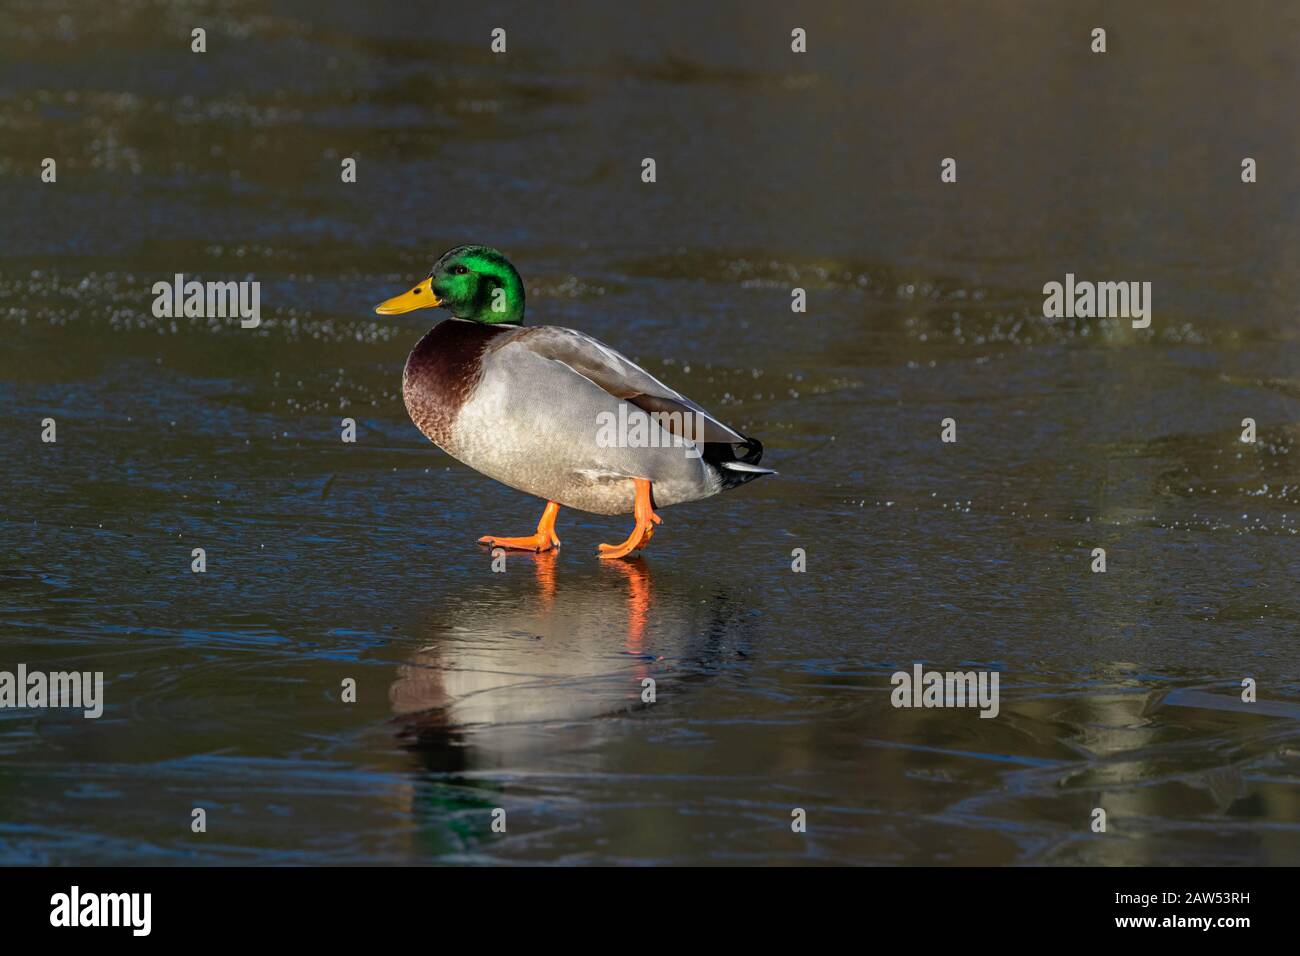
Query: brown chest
{"x": 442, "y": 372}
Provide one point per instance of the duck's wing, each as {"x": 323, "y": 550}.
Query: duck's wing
{"x": 623, "y": 378}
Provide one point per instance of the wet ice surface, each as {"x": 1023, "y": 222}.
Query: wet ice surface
{"x": 523, "y": 690}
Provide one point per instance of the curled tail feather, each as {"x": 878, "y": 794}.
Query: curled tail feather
{"x": 736, "y": 463}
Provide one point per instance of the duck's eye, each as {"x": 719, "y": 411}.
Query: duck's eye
{"x": 459, "y": 270}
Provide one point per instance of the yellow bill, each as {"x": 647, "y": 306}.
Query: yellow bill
{"x": 421, "y": 297}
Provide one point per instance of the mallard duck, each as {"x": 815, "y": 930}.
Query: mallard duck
{"x": 535, "y": 408}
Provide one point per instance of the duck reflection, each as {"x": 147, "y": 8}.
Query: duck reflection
{"x": 505, "y": 681}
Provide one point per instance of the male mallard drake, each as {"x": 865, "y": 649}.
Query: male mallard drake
{"x": 535, "y": 408}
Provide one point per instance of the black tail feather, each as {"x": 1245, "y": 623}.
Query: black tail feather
{"x": 721, "y": 455}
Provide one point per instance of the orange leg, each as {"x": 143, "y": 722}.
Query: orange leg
{"x": 544, "y": 540}
{"x": 646, "y": 519}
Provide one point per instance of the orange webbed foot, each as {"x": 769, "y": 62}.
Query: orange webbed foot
{"x": 535, "y": 542}
{"x": 646, "y": 520}
{"x": 544, "y": 540}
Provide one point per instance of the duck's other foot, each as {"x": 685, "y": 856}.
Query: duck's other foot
{"x": 544, "y": 540}
{"x": 646, "y": 519}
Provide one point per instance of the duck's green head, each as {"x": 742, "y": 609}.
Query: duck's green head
{"x": 474, "y": 282}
